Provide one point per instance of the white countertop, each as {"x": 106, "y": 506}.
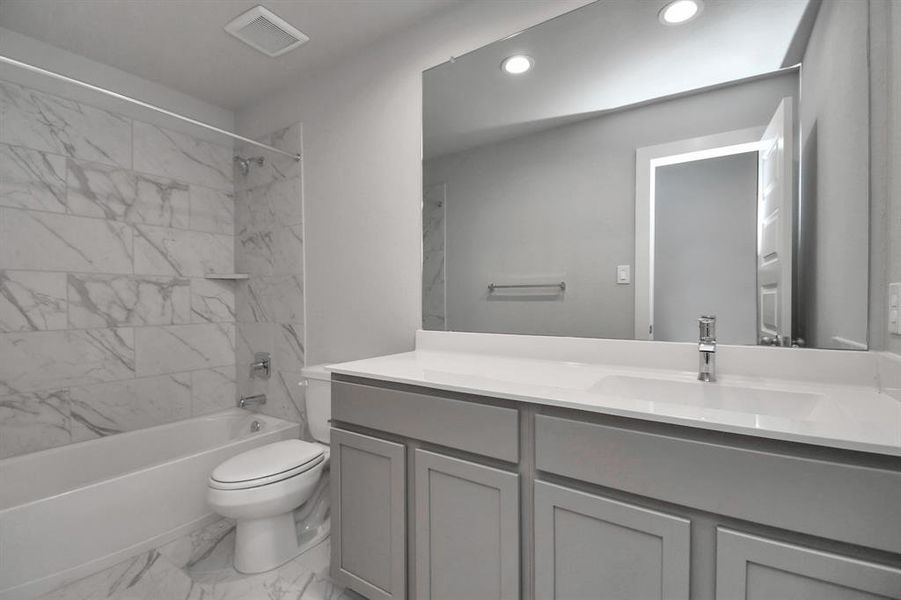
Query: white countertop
{"x": 855, "y": 417}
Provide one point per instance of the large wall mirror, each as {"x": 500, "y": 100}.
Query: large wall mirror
{"x": 620, "y": 170}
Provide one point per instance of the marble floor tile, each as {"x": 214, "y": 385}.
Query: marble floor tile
{"x": 32, "y": 301}
{"x": 117, "y": 300}
{"x": 32, "y": 179}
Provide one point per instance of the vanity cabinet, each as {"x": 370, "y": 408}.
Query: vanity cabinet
{"x": 446, "y": 496}
{"x": 585, "y": 543}
{"x": 467, "y": 529}
{"x": 369, "y": 515}
{"x": 749, "y": 566}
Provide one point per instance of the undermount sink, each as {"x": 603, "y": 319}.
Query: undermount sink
{"x": 777, "y": 403}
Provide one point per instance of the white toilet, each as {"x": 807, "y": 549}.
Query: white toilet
{"x": 262, "y": 487}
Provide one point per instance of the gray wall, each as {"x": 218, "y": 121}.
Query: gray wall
{"x": 706, "y": 249}
{"x": 834, "y": 128}
{"x": 562, "y": 201}
{"x": 362, "y": 175}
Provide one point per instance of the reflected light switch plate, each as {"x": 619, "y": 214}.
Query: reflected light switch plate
{"x": 623, "y": 274}
{"x": 894, "y": 308}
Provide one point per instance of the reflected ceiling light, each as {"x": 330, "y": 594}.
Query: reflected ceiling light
{"x": 680, "y": 11}
{"x": 517, "y": 64}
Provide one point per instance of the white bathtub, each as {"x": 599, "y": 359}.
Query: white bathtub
{"x": 71, "y": 511}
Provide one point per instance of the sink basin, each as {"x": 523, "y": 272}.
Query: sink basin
{"x": 776, "y": 403}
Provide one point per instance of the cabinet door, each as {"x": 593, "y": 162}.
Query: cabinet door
{"x": 467, "y": 530}
{"x": 755, "y": 568}
{"x": 368, "y": 515}
{"x": 587, "y": 546}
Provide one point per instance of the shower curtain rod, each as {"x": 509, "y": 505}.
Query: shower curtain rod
{"x": 141, "y": 103}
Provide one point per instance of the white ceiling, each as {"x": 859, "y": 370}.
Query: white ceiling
{"x": 607, "y": 55}
{"x": 181, "y": 43}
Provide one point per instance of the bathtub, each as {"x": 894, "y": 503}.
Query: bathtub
{"x": 71, "y": 511}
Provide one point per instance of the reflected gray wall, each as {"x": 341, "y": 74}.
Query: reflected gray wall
{"x": 706, "y": 248}
{"x": 562, "y": 201}
{"x": 834, "y": 134}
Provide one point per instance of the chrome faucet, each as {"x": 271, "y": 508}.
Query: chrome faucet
{"x": 247, "y": 401}
{"x": 707, "y": 348}
{"x": 261, "y": 365}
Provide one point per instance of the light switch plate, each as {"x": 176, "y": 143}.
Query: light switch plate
{"x": 624, "y": 274}
{"x": 894, "y": 308}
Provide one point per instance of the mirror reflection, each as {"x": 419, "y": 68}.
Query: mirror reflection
{"x": 621, "y": 170}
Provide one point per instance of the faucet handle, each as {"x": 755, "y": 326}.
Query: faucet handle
{"x": 707, "y": 327}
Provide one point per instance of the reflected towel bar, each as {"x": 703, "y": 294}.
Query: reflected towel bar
{"x": 496, "y": 286}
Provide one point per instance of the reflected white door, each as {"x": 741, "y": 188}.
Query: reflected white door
{"x": 774, "y": 229}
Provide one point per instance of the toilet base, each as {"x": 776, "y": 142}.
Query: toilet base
{"x": 264, "y": 544}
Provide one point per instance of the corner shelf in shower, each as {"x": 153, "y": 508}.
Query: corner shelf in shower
{"x": 227, "y": 276}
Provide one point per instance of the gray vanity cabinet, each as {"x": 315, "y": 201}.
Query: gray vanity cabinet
{"x": 749, "y": 567}
{"x": 467, "y": 530}
{"x": 368, "y": 515}
{"x": 587, "y": 546}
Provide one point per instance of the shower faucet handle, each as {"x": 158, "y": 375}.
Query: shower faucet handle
{"x": 261, "y": 365}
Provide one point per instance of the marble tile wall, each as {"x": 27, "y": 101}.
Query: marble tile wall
{"x": 269, "y": 306}
{"x": 107, "y": 228}
{"x": 433, "y": 257}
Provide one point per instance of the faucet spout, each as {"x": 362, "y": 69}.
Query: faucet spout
{"x": 707, "y": 348}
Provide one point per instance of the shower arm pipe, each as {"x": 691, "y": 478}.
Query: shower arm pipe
{"x": 59, "y": 76}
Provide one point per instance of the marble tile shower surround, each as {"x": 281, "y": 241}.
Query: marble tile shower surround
{"x": 107, "y": 227}
{"x": 269, "y": 247}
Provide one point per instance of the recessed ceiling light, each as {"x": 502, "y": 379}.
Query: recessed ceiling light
{"x": 517, "y": 64}
{"x": 680, "y": 11}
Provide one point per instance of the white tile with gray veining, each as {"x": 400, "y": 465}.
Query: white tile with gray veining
{"x": 184, "y": 347}
{"x": 34, "y": 421}
{"x": 213, "y": 389}
{"x": 99, "y": 190}
{"x": 277, "y": 251}
{"x": 271, "y": 299}
{"x": 118, "y": 300}
{"x": 212, "y": 301}
{"x": 212, "y": 210}
{"x": 42, "y": 360}
{"x": 275, "y": 167}
{"x": 269, "y": 206}
{"x": 161, "y": 201}
{"x": 165, "y": 251}
{"x": 288, "y": 340}
{"x": 53, "y": 124}
{"x": 166, "y": 153}
{"x": 31, "y": 179}
{"x": 118, "y": 406}
{"x": 32, "y": 301}
{"x": 41, "y": 241}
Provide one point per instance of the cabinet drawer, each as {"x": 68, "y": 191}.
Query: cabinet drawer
{"x": 840, "y": 501}
{"x": 479, "y": 428}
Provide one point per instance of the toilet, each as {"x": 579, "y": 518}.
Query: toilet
{"x": 261, "y": 488}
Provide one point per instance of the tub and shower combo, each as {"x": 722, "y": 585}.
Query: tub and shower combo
{"x": 71, "y": 511}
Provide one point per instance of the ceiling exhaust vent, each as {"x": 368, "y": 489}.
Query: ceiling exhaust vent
{"x": 266, "y": 31}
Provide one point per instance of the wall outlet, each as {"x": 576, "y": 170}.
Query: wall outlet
{"x": 623, "y": 274}
{"x": 894, "y": 308}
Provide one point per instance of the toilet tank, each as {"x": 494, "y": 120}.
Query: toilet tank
{"x": 319, "y": 401}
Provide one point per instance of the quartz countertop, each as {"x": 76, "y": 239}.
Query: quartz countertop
{"x": 851, "y": 416}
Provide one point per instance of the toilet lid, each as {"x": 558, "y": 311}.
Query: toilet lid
{"x": 269, "y": 463}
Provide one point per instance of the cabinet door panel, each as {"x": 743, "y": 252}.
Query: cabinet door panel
{"x": 467, "y": 530}
{"x": 587, "y": 546}
{"x": 756, "y": 568}
{"x": 368, "y": 512}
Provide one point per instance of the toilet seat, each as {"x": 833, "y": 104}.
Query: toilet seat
{"x": 267, "y": 465}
